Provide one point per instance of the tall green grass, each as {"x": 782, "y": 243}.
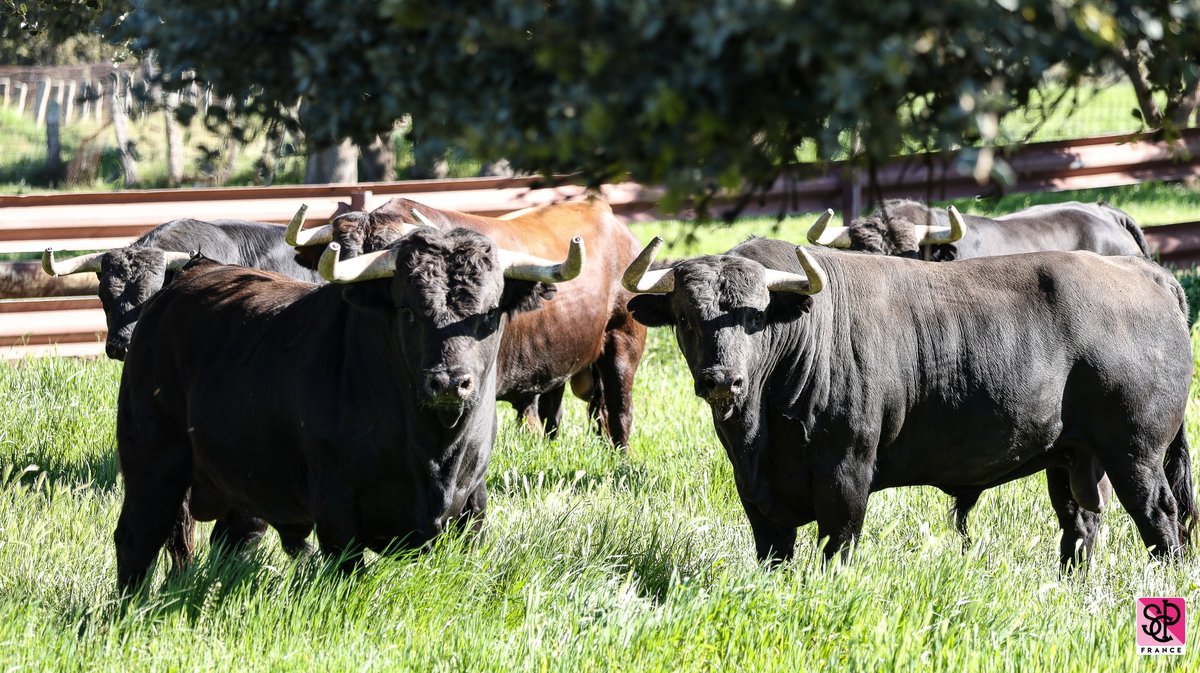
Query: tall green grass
{"x": 590, "y": 560}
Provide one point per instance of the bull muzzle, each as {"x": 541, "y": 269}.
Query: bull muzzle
{"x": 722, "y": 388}
{"x": 448, "y": 392}
{"x": 114, "y": 351}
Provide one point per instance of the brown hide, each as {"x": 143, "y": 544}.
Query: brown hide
{"x": 544, "y": 349}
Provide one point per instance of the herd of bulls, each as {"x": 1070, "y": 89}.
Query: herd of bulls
{"x": 256, "y": 395}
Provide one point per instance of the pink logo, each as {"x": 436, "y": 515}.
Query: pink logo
{"x": 1161, "y": 625}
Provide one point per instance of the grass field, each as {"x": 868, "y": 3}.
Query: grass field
{"x": 590, "y": 561}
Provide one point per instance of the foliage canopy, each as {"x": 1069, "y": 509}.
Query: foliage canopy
{"x": 695, "y": 94}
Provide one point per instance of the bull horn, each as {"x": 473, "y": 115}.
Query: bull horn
{"x": 298, "y": 238}
{"x": 639, "y": 279}
{"x": 176, "y": 260}
{"x": 811, "y": 282}
{"x": 822, "y": 234}
{"x": 522, "y": 266}
{"x": 78, "y": 264}
{"x": 935, "y": 234}
{"x": 424, "y": 220}
{"x": 372, "y": 265}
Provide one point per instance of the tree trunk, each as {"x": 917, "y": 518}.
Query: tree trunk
{"x": 54, "y": 164}
{"x": 333, "y": 165}
{"x": 429, "y": 161}
{"x": 1183, "y": 109}
{"x": 174, "y": 141}
{"x": 124, "y": 144}
{"x": 378, "y": 162}
{"x": 1128, "y": 60}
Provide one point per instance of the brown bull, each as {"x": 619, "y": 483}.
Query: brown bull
{"x": 584, "y": 336}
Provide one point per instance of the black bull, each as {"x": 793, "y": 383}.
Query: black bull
{"x": 368, "y": 409}
{"x": 131, "y": 276}
{"x": 960, "y": 376}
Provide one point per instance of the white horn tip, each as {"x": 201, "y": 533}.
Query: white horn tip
{"x": 48, "y": 261}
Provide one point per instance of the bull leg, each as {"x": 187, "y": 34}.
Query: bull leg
{"x": 294, "y": 539}
{"x": 549, "y": 407}
{"x": 333, "y": 504}
{"x": 154, "y": 511}
{"x": 237, "y": 532}
{"x": 840, "y": 503}
{"x": 597, "y": 410}
{"x": 617, "y": 366}
{"x": 773, "y": 544}
{"x": 1079, "y": 526}
{"x": 471, "y": 518}
{"x": 1145, "y": 492}
{"x": 527, "y": 412}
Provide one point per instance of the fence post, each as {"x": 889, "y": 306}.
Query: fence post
{"x": 7, "y": 84}
{"x": 852, "y": 194}
{"x": 99, "y": 109}
{"x": 43, "y": 99}
{"x": 70, "y": 104}
{"x": 22, "y": 89}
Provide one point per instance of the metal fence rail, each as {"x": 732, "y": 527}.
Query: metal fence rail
{"x": 88, "y": 221}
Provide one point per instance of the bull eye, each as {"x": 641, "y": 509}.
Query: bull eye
{"x": 756, "y": 321}
{"x": 685, "y": 325}
{"x": 490, "y": 320}
{"x": 407, "y": 314}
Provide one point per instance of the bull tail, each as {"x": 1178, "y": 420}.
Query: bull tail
{"x": 1178, "y": 467}
{"x": 1131, "y": 226}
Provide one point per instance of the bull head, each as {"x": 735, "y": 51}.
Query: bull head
{"x": 720, "y": 307}
{"x": 91, "y": 262}
{"x": 839, "y": 237}
{"x": 640, "y": 280}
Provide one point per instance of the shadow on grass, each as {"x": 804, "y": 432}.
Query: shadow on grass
{"x": 98, "y": 474}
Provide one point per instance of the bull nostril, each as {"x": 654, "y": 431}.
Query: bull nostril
{"x": 465, "y": 384}
{"x": 737, "y": 384}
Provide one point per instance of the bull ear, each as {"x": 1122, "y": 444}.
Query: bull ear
{"x": 523, "y": 295}
{"x": 309, "y": 257}
{"x": 652, "y": 310}
{"x": 787, "y": 306}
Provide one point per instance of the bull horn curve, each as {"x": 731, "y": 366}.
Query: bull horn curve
{"x": 811, "y": 281}
{"x": 424, "y": 220}
{"x": 638, "y": 277}
{"x": 372, "y": 265}
{"x": 298, "y": 238}
{"x": 176, "y": 260}
{"x": 522, "y": 266}
{"x": 78, "y": 264}
{"x": 936, "y": 234}
{"x": 820, "y": 233}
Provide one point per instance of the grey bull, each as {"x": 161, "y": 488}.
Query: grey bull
{"x": 832, "y": 375}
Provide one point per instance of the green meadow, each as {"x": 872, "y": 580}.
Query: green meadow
{"x": 590, "y": 561}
